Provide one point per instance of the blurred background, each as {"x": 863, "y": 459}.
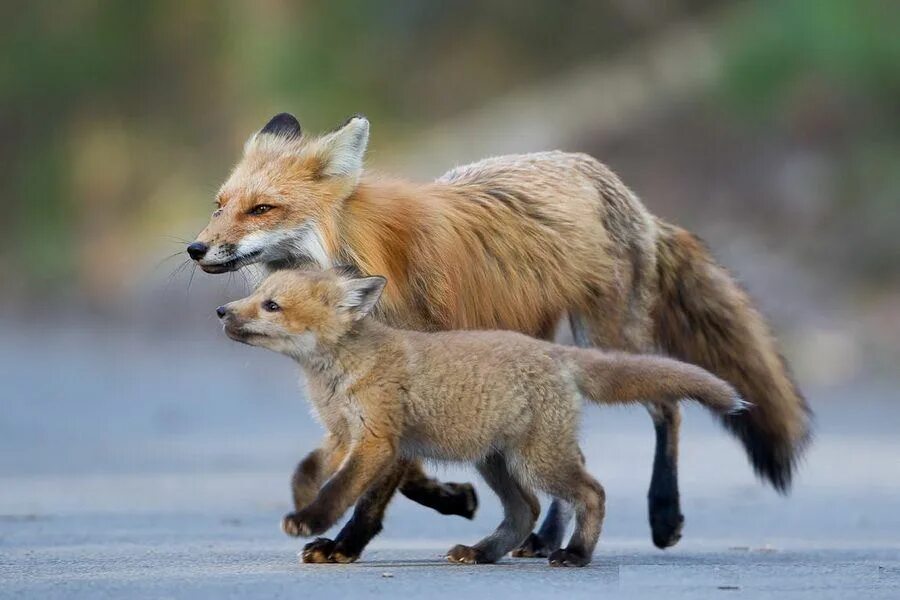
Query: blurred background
{"x": 770, "y": 128}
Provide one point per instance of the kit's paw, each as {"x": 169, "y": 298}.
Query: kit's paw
{"x": 305, "y": 523}
{"x": 567, "y": 558}
{"x": 465, "y": 500}
{"x": 532, "y": 547}
{"x": 467, "y": 555}
{"x": 318, "y": 551}
{"x": 323, "y": 550}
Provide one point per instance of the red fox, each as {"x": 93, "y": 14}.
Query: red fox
{"x": 515, "y": 243}
{"x": 506, "y": 402}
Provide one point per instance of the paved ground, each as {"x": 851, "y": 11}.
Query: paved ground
{"x": 135, "y": 464}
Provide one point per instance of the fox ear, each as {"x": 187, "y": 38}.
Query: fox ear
{"x": 283, "y": 125}
{"x": 342, "y": 151}
{"x": 360, "y": 295}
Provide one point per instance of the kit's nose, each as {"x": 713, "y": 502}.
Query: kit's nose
{"x": 221, "y": 311}
{"x": 197, "y": 250}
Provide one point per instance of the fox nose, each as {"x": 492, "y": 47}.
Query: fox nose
{"x": 221, "y": 311}
{"x": 197, "y": 250}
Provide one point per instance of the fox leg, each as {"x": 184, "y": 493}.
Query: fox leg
{"x": 666, "y": 520}
{"x": 520, "y": 512}
{"x": 631, "y": 333}
{"x": 306, "y": 479}
{"x": 544, "y": 541}
{"x": 446, "y": 498}
{"x": 550, "y": 535}
{"x": 364, "y": 525}
{"x": 315, "y": 469}
{"x": 366, "y": 462}
{"x": 587, "y": 495}
{"x": 320, "y": 464}
{"x": 557, "y": 467}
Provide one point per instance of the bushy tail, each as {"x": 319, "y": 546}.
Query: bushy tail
{"x": 705, "y": 318}
{"x": 628, "y": 378}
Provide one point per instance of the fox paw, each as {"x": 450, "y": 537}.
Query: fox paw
{"x": 323, "y": 550}
{"x": 567, "y": 558}
{"x": 666, "y": 522}
{"x": 467, "y": 555}
{"x": 532, "y": 547}
{"x": 304, "y": 523}
{"x": 466, "y": 500}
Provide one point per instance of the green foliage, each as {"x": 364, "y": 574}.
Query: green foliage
{"x": 853, "y": 45}
{"x": 105, "y": 103}
{"x": 826, "y": 74}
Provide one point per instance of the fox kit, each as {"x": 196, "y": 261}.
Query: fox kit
{"x": 512, "y": 242}
{"x": 506, "y": 402}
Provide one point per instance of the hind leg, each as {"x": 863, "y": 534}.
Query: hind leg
{"x": 544, "y": 541}
{"x": 663, "y": 501}
{"x": 590, "y": 509}
{"x": 520, "y": 511}
{"x": 570, "y": 481}
{"x": 630, "y": 332}
{"x": 550, "y": 536}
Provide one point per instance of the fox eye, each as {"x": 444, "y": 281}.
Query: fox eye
{"x": 260, "y": 209}
{"x": 270, "y": 306}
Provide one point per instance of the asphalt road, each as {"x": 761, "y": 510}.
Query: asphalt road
{"x": 136, "y": 465}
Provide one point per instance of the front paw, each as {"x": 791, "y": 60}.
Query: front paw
{"x": 568, "y": 558}
{"x": 323, "y": 550}
{"x": 467, "y": 555}
{"x": 305, "y": 523}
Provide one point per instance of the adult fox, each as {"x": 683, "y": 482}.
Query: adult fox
{"x": 511, "y": 242}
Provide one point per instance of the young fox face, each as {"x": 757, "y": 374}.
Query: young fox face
{"x": 272, "y": 206}
{"x": 292, "y": 311}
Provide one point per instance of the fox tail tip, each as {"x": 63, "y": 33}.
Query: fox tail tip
{"x": 739, "y": 405}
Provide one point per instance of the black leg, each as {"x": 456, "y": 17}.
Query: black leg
{"x": 364, "y": 525}
{"x": 446, "y": 498}
{"x": 666, "y": 520}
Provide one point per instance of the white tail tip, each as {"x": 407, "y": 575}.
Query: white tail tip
{"x": 739, "y": 405}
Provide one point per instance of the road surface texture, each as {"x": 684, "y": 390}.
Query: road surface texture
{"x": 157, "y": 465}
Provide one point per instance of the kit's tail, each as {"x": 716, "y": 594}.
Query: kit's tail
{"x": 629, "y": 378}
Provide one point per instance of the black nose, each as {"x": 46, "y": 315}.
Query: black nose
{"x": 197, "y": 250}
{"x": 221, "y": 311}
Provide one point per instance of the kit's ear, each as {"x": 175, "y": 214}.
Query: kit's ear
{"x": 282, "y": 125}
{"x": 361, "y": 294}
{"x": 341, "y": 152}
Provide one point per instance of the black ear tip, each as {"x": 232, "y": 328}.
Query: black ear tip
{"x": 283, "y": 124}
